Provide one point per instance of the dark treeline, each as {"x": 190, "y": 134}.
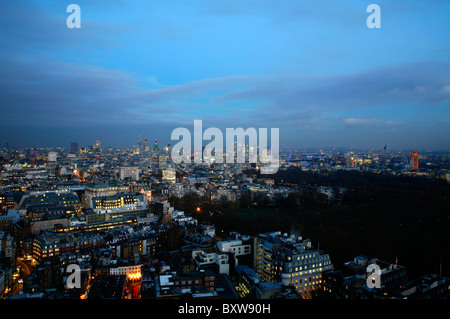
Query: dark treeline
{"x": 388, "y": 217}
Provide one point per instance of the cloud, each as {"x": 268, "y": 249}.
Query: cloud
{"x": 367, "y": 122}
{"x": 443, "y": 94}
{"x": 61, "y": 93}
{"x": 55, "y": 93}
{"x": 29, "y": 30}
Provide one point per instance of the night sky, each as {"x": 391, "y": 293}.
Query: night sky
{"x": 311, "y": 68}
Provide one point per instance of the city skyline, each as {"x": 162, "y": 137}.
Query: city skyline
{"x": 316, "y": 71}
{"x": 224, "y": 157}
{"x": 380, "y": 149}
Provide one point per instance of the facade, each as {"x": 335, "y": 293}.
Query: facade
{"x": 143, "y": 189}
{"x": 162, "y": 161}
{"x": 131, "y": 272}
{"x": 47, "y": 212}
{"x": 7, "y": 220}
{"x": 197, "y": 284}
{"x": 392, "y": 274}
{"x": 51, "y": 244}
{"x": 351, "y": 282}
{"x": 118, "y": 206}
{"x": 169, "y": 175}
{"x": 7, "y": 247}
{"x": 236, "y": 247}
{"x": 426, "y": 287}
{"x": 63, "y": 198}
{"x": 99, "y": 190}
{"x": 38, "y": 226}
{"x": 415, "y": 160}
{"x": 116, "y": 215}
{"x": 210, "y": 258}
{"x": 129, "y": 172}
{"x": 245, "y": 280}
{"x": 119, "y": 200}
{"x": 292, "y": 261}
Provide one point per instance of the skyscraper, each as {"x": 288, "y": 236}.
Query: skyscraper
{"x": 155, "y": 145}
{"x": 74, "y": 147}
{"x": 146, "y": 147}
{"x": 415, "y": 160}
{"x": 139, "y": 145}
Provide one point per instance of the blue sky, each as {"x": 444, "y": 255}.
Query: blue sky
{"x": 311, "y": 68}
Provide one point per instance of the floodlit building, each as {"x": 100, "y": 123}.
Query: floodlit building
{"x": 415, "y": 160}
{"x": 62, "y": 198}
{"x": 98, "y": 190}
{"x": 169, "y": 175}
{"x": 291, "y": 261}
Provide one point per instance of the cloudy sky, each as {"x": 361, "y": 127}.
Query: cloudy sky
{"x": 311, "y": 68}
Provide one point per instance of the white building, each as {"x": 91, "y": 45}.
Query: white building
{"x": 205, "y": 259}
{"x": 52, "y": 156}
{"x": 181, "y": 219}
{"x": 131, "y": 172}
{"x": 128, "y": 270}
{"x": 234, "y": 246}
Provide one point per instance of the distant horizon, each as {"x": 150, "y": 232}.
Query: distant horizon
{"x": 305, "y": 149}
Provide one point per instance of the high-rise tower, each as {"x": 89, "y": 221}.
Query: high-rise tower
{"x": 415, "y": 160}
{"x": 74, "y": 148}
{"x": 139, "y": 144}
{"x": 146, "y": 147}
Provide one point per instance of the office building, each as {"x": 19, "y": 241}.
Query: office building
{"x": 163, "y": 161}
{"x": 415, "y": 160}
{"x": 118, "y": 206}
{"x": 119, "y": 200}
{"x": 291, "y": 261}
{"x": 169, "y": 175}
{"x": 129, "y": 172}
{"x": 47, "y": 198}
{"x": 99, "y": 190}
{"x": 74, "y": 148}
